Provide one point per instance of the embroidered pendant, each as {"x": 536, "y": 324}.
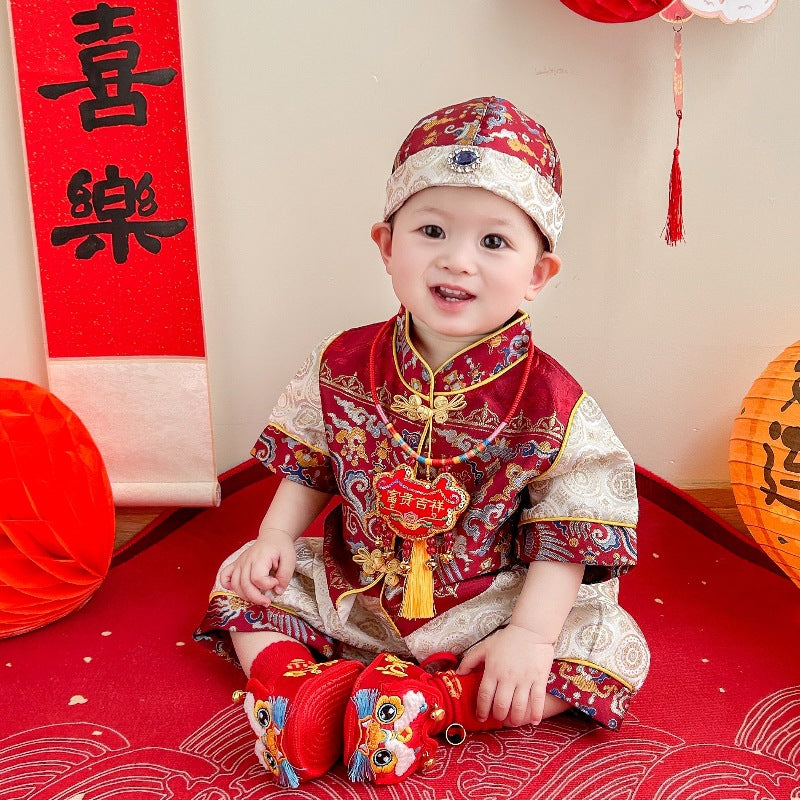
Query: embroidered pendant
{"x": 416, "y": 510}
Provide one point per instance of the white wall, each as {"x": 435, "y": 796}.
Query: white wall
{"x": 295, "y": 111}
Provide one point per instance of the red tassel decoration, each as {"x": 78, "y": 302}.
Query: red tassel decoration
{"x": 673, "y": 230}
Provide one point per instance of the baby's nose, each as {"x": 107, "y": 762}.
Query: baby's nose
{"x": 458, "y": 259}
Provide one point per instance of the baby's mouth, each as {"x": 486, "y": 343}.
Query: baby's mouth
{"x": 451, "y": 295}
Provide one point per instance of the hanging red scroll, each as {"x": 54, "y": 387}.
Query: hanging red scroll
{"x": 101, "y": 98}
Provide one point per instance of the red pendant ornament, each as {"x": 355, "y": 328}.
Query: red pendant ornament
{"x": 673, "y": 230}
{"x": 616, "y": 10}
{"x": 417, "y": 510}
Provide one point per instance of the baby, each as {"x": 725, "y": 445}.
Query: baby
{"x": 468, "y": 578}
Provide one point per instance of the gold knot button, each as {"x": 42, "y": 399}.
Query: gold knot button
{"x": 413, "y": 408}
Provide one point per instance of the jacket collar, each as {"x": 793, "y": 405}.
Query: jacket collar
{"x": 470, "y": 368}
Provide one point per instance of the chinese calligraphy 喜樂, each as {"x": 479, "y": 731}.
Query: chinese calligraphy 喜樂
{"x": 109, "y": 71}
{"x": 113, "y": 202}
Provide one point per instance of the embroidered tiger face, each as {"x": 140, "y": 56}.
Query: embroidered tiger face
{"x": 392, "y": 735}
{"x": 267, "y": 719}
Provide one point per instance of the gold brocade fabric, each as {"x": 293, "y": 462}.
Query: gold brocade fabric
{"x": 556, "y": 484}
{"x": 598, "y": 632}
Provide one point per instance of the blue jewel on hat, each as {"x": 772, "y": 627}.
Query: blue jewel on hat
{"x": 464, "y": 159}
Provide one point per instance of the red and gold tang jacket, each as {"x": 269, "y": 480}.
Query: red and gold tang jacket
{"x": 556, "y": 484}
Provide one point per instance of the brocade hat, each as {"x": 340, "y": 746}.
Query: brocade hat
{"x": 487, "y": 143}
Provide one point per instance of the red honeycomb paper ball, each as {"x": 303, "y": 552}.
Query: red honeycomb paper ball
{"x": 56, "y": 510}
{"x": 616, "y": 10}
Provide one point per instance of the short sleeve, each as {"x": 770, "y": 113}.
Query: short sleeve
{"x": 584, "y": 508}
{"x": 293, "y": 443}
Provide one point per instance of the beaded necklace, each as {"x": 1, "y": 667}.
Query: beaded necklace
{"x": 417, "y": 510}
{"x": 453, "y": 460}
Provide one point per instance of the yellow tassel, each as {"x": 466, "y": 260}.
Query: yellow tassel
{"x": 418, "y": 589}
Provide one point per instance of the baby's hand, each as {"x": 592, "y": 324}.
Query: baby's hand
{"x": 516, "y": 666}
{"x": 263, "y": 570}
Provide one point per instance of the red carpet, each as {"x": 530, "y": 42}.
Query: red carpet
{"x": 116, "y": 700}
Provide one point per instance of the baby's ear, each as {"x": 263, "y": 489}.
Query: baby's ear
{"x": 382, "y": 236}
{"x": 547, "y": 267}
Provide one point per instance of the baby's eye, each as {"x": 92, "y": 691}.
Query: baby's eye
{"x": 493, "y": 241}
{"x": 433, "y": 231}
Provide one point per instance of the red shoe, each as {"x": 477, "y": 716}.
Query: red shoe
{"x": 297, "y": 712}
{"x": 395, "y": 711}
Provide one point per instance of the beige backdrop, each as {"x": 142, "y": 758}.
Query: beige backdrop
{"x": 296, "y": 109}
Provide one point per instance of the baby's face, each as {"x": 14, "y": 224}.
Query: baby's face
{"x": 462, "y": 260}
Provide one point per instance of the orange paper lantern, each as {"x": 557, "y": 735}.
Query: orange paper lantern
{"x": 765, "y": 461}
{"x": 56, "y": 510}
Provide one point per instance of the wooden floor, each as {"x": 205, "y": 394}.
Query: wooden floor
{"x": 721, "y": 501}
{"x": 132, "y": 520}
{"x": 718, "y": 498}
